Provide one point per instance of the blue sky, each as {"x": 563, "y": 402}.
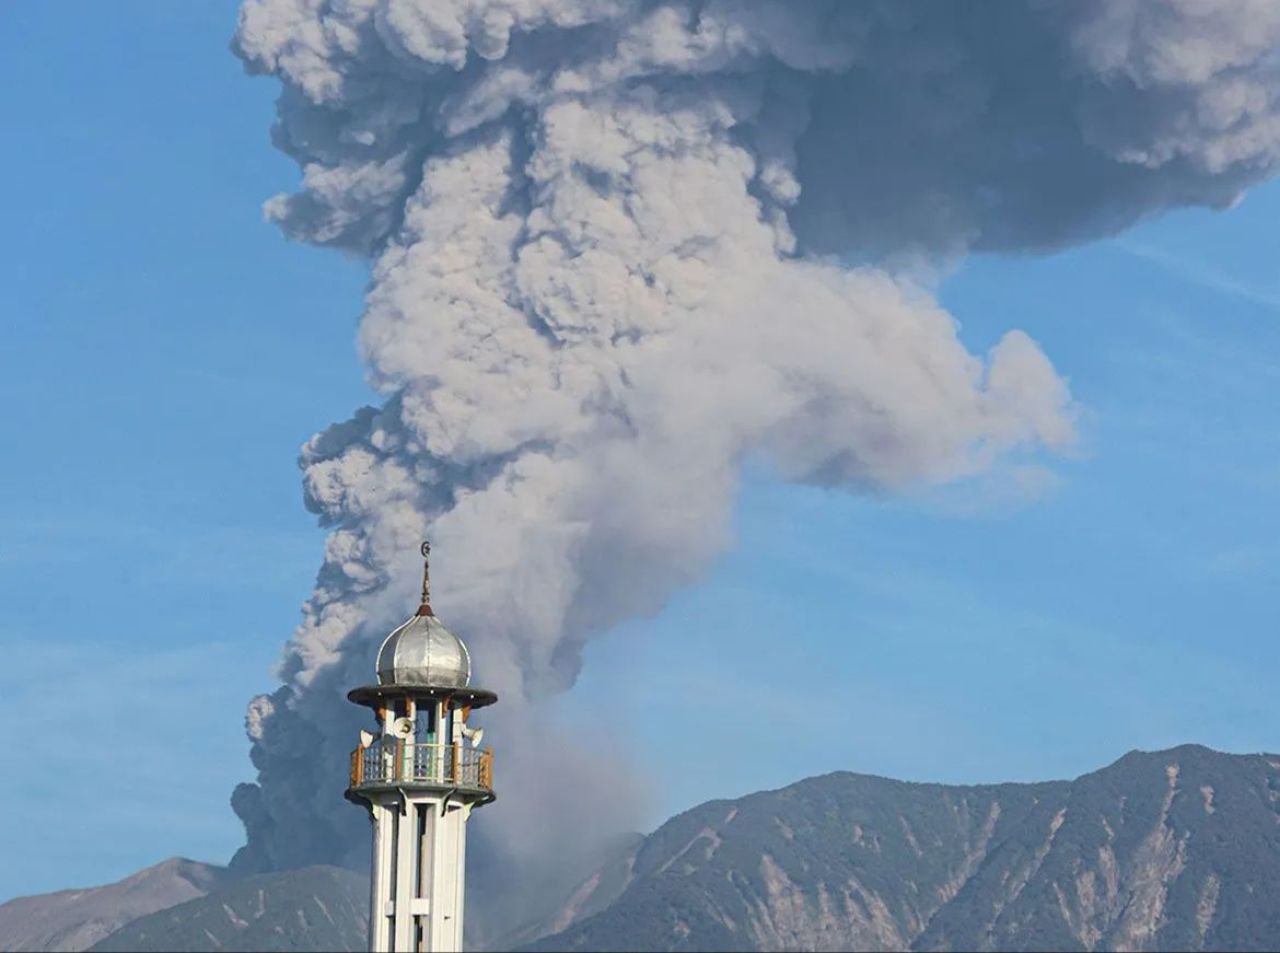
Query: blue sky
{"x": 165, "y": 353}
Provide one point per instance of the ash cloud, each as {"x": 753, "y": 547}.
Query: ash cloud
{"x": 618, "y": 246}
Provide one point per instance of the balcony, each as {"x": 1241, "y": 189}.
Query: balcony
{"x": 390, "y": 762}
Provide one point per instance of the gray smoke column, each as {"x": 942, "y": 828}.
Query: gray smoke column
{"x": 619, "y": 246}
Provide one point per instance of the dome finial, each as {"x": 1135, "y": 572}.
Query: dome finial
{"x": 425, "y": 608}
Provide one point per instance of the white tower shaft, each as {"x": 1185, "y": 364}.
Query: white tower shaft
{"x": 419, "y": 851}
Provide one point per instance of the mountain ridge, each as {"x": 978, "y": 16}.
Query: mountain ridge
{"x": 76, "y": 918}
{"x": 312, "y": 908}
{"x": 1168, "y": 849}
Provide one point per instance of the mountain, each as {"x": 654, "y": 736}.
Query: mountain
{"x": 505, "y": 912}
{"x": 1171, "y": 850}
{"x": 315, "y": 908}
{"x": 76, "y": 919}
{"x": 325, "y": 908}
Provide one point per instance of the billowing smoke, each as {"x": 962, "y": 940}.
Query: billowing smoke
{"x": 619, "y": 246}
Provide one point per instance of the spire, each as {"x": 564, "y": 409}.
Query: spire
{"x": 425, "y": 608}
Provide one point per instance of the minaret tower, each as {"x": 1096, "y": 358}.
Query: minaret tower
{"x": 419, "y": 776}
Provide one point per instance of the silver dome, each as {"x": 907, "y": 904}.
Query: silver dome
{"x": 423, "y": 652}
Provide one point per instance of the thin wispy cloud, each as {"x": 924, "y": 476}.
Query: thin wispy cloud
{"x": 1202, "y": 273}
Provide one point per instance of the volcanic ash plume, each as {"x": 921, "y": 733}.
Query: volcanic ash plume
{"x": 619, "y": 246}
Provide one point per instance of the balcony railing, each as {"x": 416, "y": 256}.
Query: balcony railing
{"x": 392, "y": 761}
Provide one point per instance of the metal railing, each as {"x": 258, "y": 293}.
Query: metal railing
{"x": 392, "y": 761}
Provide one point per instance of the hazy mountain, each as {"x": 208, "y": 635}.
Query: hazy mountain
{"x": 325, "y": 908}
{"x": 1170, "y": 850}
{"x": 76, "y": 919}
{"x": 514, "y": 913}
{"x": 315, "y": 908}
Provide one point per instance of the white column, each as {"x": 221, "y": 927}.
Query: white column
{"x": 426, "y": 868}
{"x": 460, "y": 900}
{"x": 380, "y": 887}
{"x": 405, "y": 887}
{"x": 446, "y": 917}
